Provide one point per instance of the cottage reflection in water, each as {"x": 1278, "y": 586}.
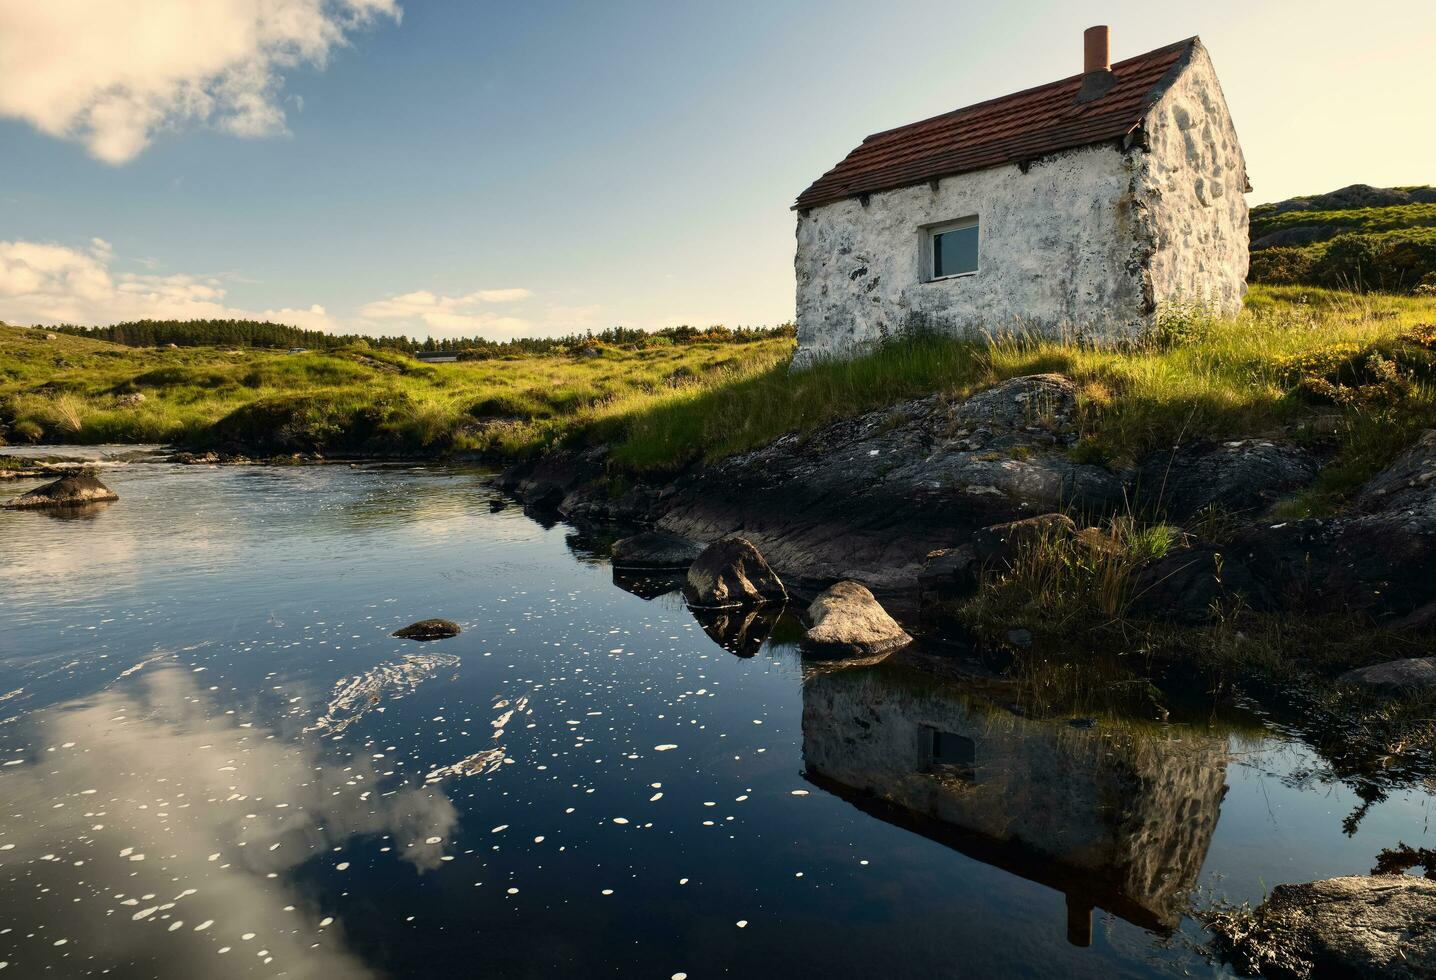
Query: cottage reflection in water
{"x": 1116, "y": 815}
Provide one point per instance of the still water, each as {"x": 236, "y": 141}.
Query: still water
{"x": 215, "y": 761}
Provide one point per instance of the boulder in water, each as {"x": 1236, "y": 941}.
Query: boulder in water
{"x": 729, "y": 573}
{"x": 429, "y": 629}
{"x": 75, "y": 490}
{"x": 848, "y": 623}
{"x": 654, "y": 551}
{"x": 1358, "y": 927}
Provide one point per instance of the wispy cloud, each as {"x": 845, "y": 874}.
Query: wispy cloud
{"x": 113, "y": 74}
{"x": 452, "y": 314}
{"x": 42, "y": 282}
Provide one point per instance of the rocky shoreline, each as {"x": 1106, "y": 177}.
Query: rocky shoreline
{"x": 902, "y": 500}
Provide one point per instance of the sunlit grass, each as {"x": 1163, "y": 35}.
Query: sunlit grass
{"x": 1349, "y": 372}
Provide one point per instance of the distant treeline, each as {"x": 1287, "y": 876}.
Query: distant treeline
{"x": 255, "y": 333}
{"x": 1360, "y": 237}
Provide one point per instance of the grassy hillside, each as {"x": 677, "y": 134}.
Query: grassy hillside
{"x": 356, "y": 399}
{"x": 1359, "y": 237}
{"x": 1353, "y": 374}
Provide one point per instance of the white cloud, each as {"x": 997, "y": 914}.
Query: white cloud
{"x": 47, "y": 283}
{"x": 452, "y": 314}
{"x": 112, "y": 74}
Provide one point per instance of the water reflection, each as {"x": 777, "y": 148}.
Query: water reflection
{"x": 152, "y": 833}
{"x": 1115, "y": 816}
{"x": 742, "y": 632}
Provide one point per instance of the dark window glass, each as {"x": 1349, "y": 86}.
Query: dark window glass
{"x": 949, "y": 749}
{"x": 954, "y": 252}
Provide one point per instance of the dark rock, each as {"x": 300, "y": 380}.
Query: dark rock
{"x": 869, "y": 498}
{"x": 1395, "y": 676}
{"x": 1358, "y": 927}
{"x": 1241, "y": 477}
{"x": 75, "y": 490}
{"x": 655, "y": 551}
{"x": 947, "y": 575}
{"x": 1406, "y": 486}
{"x": 544, "y": 482}
{"x": 1002, "y": 543}
{"x": 1020, "y": 638}
{"x": 429, "y": 629}
{"x": 732, "y": 572}
{"x": 1380, "y": 560}
{"x": 1187, "y": 585}
{"x": 847, "y": 623}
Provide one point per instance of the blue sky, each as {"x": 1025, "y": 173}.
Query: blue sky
{"x": 428, "y": 166}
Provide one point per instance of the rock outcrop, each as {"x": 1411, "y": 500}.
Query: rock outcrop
{"x": 1243, "y": 478}
{"x": 1409, "y": 676}
{"x": 1362, "y": 928}
{"x": 732, "y": 573}
{"x": 1189, "y": 584}
{"x": 75, "y": 490}
{"x": 429, "y": 629}
{"x": 1379, "y": 560}
{"x": 1000, "y": 544}
{"x": 870, "y": 497}
{"x": 847, "y": 623}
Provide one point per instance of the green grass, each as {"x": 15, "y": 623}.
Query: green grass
{"x": 1388, "y": 249}
{"x": 355, "y": 399}
{"x": 1264, "y": 220}
{"x": 1352, "y": 375}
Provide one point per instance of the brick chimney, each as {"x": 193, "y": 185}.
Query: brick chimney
{"x": 1097, "y": 49}
{"x": 1097, "y": 77}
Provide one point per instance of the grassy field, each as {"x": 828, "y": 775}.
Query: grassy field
{"x": 1353, "y": 374}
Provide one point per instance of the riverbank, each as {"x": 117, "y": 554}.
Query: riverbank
{"x": 1230, "y": 491}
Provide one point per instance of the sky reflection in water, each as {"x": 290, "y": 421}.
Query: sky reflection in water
{"x": 214, "y": 760}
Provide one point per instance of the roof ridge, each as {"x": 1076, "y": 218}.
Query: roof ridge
{"x": 1010, "y": 128}
{"x": 1032, "y": 90}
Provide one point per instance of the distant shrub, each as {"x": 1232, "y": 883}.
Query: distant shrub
{"x": 1397, "y": 261}
{"x": 1284, "y": 266}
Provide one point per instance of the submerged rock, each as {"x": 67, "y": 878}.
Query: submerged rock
{"x": 1357, "y": 927}
{"x": 655, "y": 551}
{"x": 68, "y": 491}
{"x": 429, "y": 629}
{"x": 847, "y": 622}
{"x": 732, "y": 572}
{"x": 1395, "y": 676}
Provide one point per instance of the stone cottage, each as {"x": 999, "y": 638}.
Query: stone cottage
{"x": 1085, "y": 207}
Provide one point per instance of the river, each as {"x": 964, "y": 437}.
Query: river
{"x": 215, "y": 761}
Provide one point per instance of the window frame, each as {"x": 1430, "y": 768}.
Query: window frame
{"x": 929, "y": 247}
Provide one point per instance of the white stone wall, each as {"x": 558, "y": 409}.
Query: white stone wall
{"x": 1095, "y": 241}
{"x": 1057, "y": 250}
{"x": 1192, "y": 192}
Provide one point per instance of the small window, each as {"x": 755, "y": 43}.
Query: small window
{"x": 949, "y": 749}
{"x": 954, "y": 249}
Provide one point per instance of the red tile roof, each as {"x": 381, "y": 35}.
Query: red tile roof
{"x": 1016, "y": 127}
